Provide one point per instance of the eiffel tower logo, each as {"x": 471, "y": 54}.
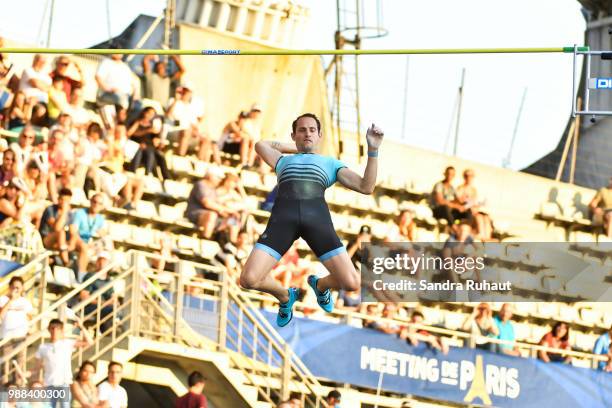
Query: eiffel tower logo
{"x": 478, "y": 389}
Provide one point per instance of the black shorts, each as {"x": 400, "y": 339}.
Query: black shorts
{"x": 295, "y": 218}
{"x": 231, "y": 148}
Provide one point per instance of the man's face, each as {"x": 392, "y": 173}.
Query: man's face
{"x": 254, "y": 114}
{"x": 160, "y": 68}
{"x": 506, "y": 312}
{"x": 8, "y": 159}
{"x": 96, "y": 204}
{"x": 449, "y": 174}
{"x": 56, "y": 331}
{"x": 62, "y": 65}
{"x": 116, "y": 57}
{"x": 27, "y": 138}
{"x": 114, "y": 374}
{"x": 186, "y": 95}
{"x": 11, "y": 192}
{"x": 306, "y": 135}
{"x": 16, "y": 287}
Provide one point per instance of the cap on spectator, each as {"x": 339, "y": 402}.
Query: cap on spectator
{"x": 187, "y": 85}
{"x": 255, "y": 108}
{"x": 244, "y": 114}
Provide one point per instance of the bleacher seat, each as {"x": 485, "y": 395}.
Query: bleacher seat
{"x": 152, "y": 185}
{"x": 177, "y": 189}
{"x": 453, "y": 320}
{"x": 64, "y": 277}
{"x": 181, "y": 164}
{"x": 208, "y": 249}
{"x": 522, "y": 331}
{"x": 250, "y": 179}
{"x": 169, "y": 213}
{"x": 568, "y": 313}
{"x": 120, "y": 232}
{"x": 591, "y": 316}
{"x": 146, "y": 209}
{"x": 270, "y": 181}
{"x": 188, "y": 243}
{"x": 144, "y": 236}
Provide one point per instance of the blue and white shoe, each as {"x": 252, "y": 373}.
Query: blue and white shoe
{"x": 324, "y": 299}
{"x": 285, "y": 310}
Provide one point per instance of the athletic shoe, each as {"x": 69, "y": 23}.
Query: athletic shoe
{"x": 285, "y": 310}
{"x": 324, "y": 299}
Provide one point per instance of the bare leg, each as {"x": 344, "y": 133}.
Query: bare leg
{"x": 608, "y": 224}
{"x": 207, "y": 221}
{"x": 184, "y": 139}
{"x": 342, "y": 274}
{"x": 256, "y": 275}
{"x": 244, "y": 151}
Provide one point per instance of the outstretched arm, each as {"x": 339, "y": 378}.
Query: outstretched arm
{"x": 271, "y": 151}
{"x": 365, "y": 184}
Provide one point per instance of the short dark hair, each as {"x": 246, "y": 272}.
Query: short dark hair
{"x": 194, "y": 378}
{"x": 449, "y": 168}
{"x": 85, "y": 364}
{"x": 56, "y": 322}
{"x": 416, "y": 313}
{"x": 334, "y": 394}
{"x": 114, "y": 363}
{"x": 16, "y": 279}
{"x": 306, "y": 115}
{"x": 65, "y": 192}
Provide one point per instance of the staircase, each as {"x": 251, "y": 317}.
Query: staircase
{"x": 246, "y": 362}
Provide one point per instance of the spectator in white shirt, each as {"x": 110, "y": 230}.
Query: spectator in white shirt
{"x": 76, "y": 109}
{"x": 35, "y": 80}
{"x": 114, "y": 78}
{"x": 55, "y": 357}
{"x": 110, "y": 391}
{"x": 15, "y": 313}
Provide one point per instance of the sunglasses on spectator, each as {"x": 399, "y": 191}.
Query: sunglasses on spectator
{"x": 29, "y": 136}
{"x": 97, "y": 202}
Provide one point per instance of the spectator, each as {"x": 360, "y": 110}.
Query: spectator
{"x": 54, "y": 358}
{"x": 290, "y": 271}
{"x": 404, "y": 230}
{"x": 61, "y": 153}
{"x": 20, "y": 111}
{"x": 355, "y": 249}
{"x": 187, "y": 112}
{"x": 40, "y": 116}
{"x": 557, "y": 338}
{"x": 83, "y": 389}
{"x": 371, "y": 310}
{"x": 234, "y": 256}
{"x": 194, "y": 398}
{"x": 389, "y": 312}
{"x": 11, "y": 204}
{"x": 58, "y": 102}
{"x": 109, "y": 297}
{"x": 76, "y": 110}
{"x": 112, "y": 176}
{"x": 35, "y": 80}
{"x": 333, "y": 399}
{"x": 268, "y": 203}
{"x": 203, "y": 207}
{"x": 15, "y": 313}
{"x": 252, "y": 127}
{"x": 89, "y": 151}
{"x": 601, "y": 208}
{"x": 66, "y": 124}
{"x": 58, "y": 231}
{"x": 115, "y": 84}
{"x": 7, "y": 170}
{"x": 156, "y": 80}
{"x": 90, "y": 224}
{"x": 69, "y": 73}
{"x": 443, "y": 200}
{"x": 415, "y": 335}
{"x": 110, "y": 392}
{"x": 349, "y": 300}
{"x": 506, "y": 331}
{"x": 23, "y": 148}
{"x": 234, "y": 140}
{"x": 467, "y": 195}
{"x": 35, "y": 192}
{"x": 461, "y": 244}
{"x": 146, "y": 131}
{"x": 480, "y": 324}
{"x": 231, "y": 194}
{"x": 602, "y": 346}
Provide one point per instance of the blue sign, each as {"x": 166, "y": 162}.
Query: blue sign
{"x": 603, "y": 83}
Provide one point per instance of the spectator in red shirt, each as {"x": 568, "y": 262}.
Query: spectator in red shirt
{"x": 557, "y": 338}
{"x": 69, "y": 72}
{"x": 194, "y": 398}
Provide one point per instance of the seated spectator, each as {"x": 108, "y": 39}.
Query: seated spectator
{"x": 503, "y": 321}
{"x": 35, "y": 80}
{"x": 35, "y": 192}
{"x": 76, "y": 110}
{"x": 23, "y": 148}
{"x": 194, "y": 398}
{"x": 157, "y": 80}
{"x": 59, "y": 232}
{"x": 15, "y": 313}
{"x": 70, "y": 74}
{"x": 252, "y": 128}
{"x": 61, "y": 153}
{"x": 7, "y": 169}
{"x": 355, "y": 248}
{"x": 182, "y": 108}
{"x": 90, "y": 224}
{"x": 404, "y": 230}
{"x": 415, "y": 336}
{"x": 83, "y": 389}
{"x": 20, "y": 111}
{"x": 235, "y": 256}
{"x": 234, "y": 140}
{"x": 602, "y": 346}
{"x": 601, "y": 208}
{"x": 113, "y": 178}
{"x": 40, "y": 116}
{"x": 165, "y": 251}
{"x": 11, "y": 204}
{"x": 110, "y": 391}
{"x": 231, "y": 194}
{"x": 557, "y": 338}
{"x": 115, "y": 84}
{"x": 54, "y": 357}
{"x": 371, "y": 309}
{"x": 480, "y": 324}
{"x": 203, "y": 207}
{"x": 109, "y": 297}
{"x": 146, "y": 131}
{"x": 333, "y": 399}
{"x": 58, "y": 102}
{"x": 89, "y": 152}
{"x": 66, "y": 124}
{"x": 389, "y": 312}
{"x": 467, "y": 195}
{"x": 461, "y": 244}
{"x": 443, "y": 200}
